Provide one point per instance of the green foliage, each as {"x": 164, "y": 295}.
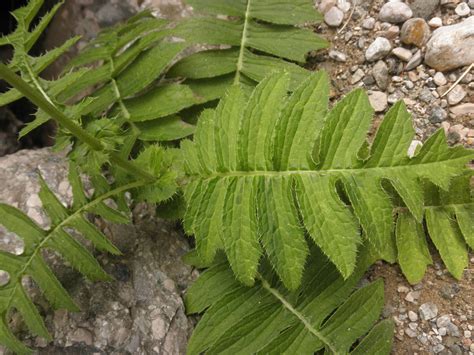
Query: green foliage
{"x": 257, "y": 37}
{"x": 59, "y": 239}
{"x": 22, "y": 40}
{"x": 449, "y": 221}
{"x": 268, "y": 319}
{"x": 267, "y": 170}
{"x": 287, "y": 188}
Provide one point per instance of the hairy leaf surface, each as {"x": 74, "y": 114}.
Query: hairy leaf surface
{"x": 265, "y": 173}
{"x": 325, "y": 313}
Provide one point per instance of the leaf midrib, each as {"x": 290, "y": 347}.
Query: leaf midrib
{"x": 307, "y": 324}
{"x": 243, "y": 42}
{"x": 362, "y": 169}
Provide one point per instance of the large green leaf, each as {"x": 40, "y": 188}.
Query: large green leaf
{"x": 256, "y": 167}
{"x": 263, "y": 36}
{"x": 267, "y": 319}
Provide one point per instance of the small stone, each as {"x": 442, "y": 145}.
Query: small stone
{"x": 368, "y": 80}
{"x": 451, "y": 47}
{"x": 462, "y": 9}
{"x": 402, "y": 53}
{"x": 470, "y": 3}
{"x": 395, "y": 12}
{"x": 412, "y": 296}
{"x": 334, "y": 17}
{"x": 402, "y": 289}
{"x": 415, "y": 31}
{"x": 463, "y": 110}
{"x": 396, "y": 96}
{"x": 439, "y": 79}
{"x": 411, "y": 333}
{"x": 453, "y": 330}
{"x": 380, "y": 74}
{"x": 435, "y": 22}
{"x": 428, "y": 311}
{"x": 456, "y": 95}
{"x": 368, "y": 23}
{"x": 415, "y": 61}
{"x": 337, "y": 56}
{"x": 378, "y": 49}
{"x": 443, "y": 321}
{"x": 357, "y": 76}
{"x": 412, "y": 316}
{"x": 438, "y": 348}
{"x": 378, "y": 100}
{"x": 437, "y": 115}
{"x": 426, "y": 96}
{"x": 326, "y": 5}
{"x": 422, "y": 338}
{"x": 467, "y": 334}
{"x": 442, "y": 331}
{"x": 344, "y": 5}
{"x": 392, "y": 32}
{"x": 408, "y": 84}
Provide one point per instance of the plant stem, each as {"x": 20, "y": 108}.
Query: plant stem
{"x": 18, "y": 83}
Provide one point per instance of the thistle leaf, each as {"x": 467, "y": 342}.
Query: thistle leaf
{"x": 271, "y": 28}
{"x": 57, "y": 238}
{"x": 291, "y": 157}
{"x": 267, "y": 319}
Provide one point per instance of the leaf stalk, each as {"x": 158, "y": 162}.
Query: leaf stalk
{"x": 18, "y": 83}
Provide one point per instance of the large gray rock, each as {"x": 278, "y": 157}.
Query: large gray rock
{"x": 142, "y": 312}
{"x": 423, "y": 8}
{"x": 451, "y": 47}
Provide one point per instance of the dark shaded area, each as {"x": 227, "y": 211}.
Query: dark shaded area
{"x": 15, "y": 115}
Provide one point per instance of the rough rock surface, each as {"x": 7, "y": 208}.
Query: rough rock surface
{"x": 142, "y": 312}
{"x": 423, "y": 8}
{"x": 452, "y": 46}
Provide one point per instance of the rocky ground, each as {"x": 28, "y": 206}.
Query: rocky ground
{"x": 419, "y": 51}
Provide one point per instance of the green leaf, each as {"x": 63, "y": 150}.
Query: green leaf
{"x": 378, "y": 341}
{"x": 57, "y": 238}
{"x": 413, "y": 253}
{"x": 290, "y": 162}
{"x": 272, "y": 28}
{"x": 164, "y": 129}
{"x": 267, "y": 319}
{"x": 206, "y": 64}
{"x": 448, "y": 239}
{"x": 146, "y": 68}
{"x": 160, "y": 102}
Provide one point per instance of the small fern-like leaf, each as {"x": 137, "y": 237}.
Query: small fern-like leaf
{"x": 57, "y": 238}
{"x": 291, "y": 157}
{"x": 324, "y": 313}
{"x": 262, "y": 35}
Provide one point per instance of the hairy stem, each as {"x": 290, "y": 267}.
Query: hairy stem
{"x": 18, "y": 83}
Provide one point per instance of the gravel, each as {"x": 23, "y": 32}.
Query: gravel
{"x": 428, "y": 311}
